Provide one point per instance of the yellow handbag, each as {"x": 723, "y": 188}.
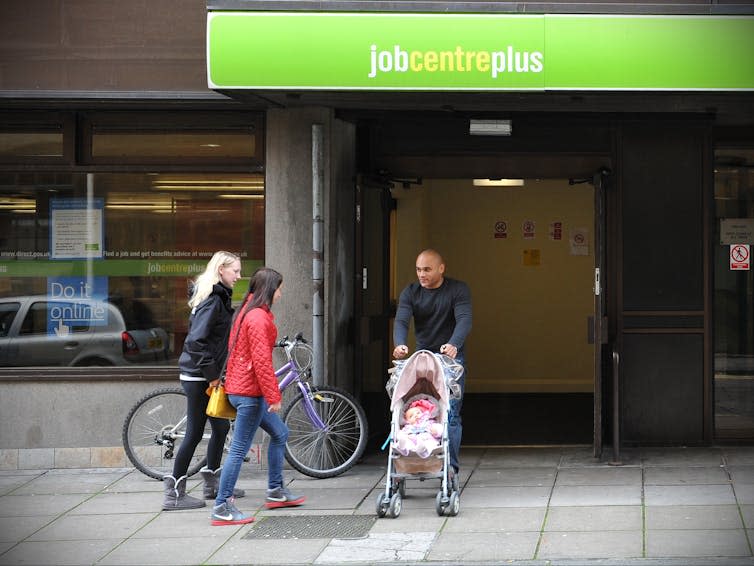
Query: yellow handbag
{"x": 219, "y": 406}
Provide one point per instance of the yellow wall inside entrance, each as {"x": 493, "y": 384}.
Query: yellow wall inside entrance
{"x": 530, "y": 330}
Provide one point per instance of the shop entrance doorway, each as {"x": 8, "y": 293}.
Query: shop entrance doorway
{"x": 530, "y": 252}
{"x": 527, "y": 253}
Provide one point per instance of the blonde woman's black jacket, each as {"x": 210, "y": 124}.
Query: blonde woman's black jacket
{"x": 206, "y": 344}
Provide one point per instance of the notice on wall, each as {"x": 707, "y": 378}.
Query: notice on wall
{"x": 736, "y": 231}
{"x": 532, "y": 258}
{"x": 528, "y": 229}
{"x": 740, "y": 257}
{"x": 556, "y": 230}
{"x": 501, "y": 230}
{"x": 76, "y": 228}
{"x": 579, "y": 241}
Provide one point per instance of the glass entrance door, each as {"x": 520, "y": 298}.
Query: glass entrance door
{"x": 734, "y": 301}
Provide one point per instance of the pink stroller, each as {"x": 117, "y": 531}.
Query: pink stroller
{"x": 427, "y": 380}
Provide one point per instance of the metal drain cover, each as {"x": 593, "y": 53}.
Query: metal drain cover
{"x": 311, "y": 526}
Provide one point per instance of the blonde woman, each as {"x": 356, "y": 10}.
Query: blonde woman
{"x": 200, "y": 364}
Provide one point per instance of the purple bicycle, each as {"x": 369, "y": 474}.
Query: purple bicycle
{"x": 328, "y": 428}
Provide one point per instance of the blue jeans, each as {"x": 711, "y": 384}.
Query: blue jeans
{"x": 278, "y": 431}
{"x": 455, "y": 424}
{"x": 250, "y": 411}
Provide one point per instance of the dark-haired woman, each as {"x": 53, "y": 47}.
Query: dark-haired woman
{"x": 253, "y": 390}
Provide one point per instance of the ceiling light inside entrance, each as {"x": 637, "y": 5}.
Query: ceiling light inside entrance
{"x": 490, "y": 127}
{"x": 498, "y": 182}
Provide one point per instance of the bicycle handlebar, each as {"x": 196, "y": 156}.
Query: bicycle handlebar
{"x": 284, "y": 341}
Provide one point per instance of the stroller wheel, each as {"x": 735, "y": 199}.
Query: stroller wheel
{"x": 454, "y": 504}
{"x": 440, "y": 504}
{"x": 396, "y": 504}
{"x": 382, "y": 505}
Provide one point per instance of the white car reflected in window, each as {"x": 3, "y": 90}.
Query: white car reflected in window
{"x": 39, "y": 331}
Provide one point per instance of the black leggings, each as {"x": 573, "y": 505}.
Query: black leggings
{"x": 196, "y": 418}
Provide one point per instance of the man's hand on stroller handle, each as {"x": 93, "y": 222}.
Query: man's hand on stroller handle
{"x": 449, "y": 350}
{"x": 401, "y": 351}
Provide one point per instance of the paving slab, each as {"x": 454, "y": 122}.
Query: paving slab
{"x": 136, "y": 481}
{"x": 689, "y": 475}
{"x": 378, "y": 547}
{"x": 523, "y": 457}
{"x": 538, "y": 476}
{"x": 192, "y": 550}
{"x": 350, "y": 480}
{"x": 85, "y": 527}
{"x": 10, "y": 483}
{"x": 688, "y": 495}
{"x": 747, "y": 512}
{"x": 579, "y": 457}
{"x": 15, "y": 529}
{"x": 457, "y": 548}
{"x": 745, "y": 493}
{"x": 682, "y": 456}
{"x": 505, "y": 497}
{"x": 696, "y": 543}
{"x": 742, "y": 474}
{"x": 29, "y": 506}
{"x": 413, "y": 519}
{"x": 603, "y": 475}
{"x": 71, "y": 482}
{"x": 739, "y": 455}
{"x": 607, "y": 518}
{"x": 594, "y": 544}
{"x": 106, "y": 503}
{"x": 509, "y": 519}
{"x": 238, "y": 551}
{"x": 698, "y": 517}
{"x": 327, "y": 498}
{"x": 585, "y": 495}
{"x": 58, "y": 553}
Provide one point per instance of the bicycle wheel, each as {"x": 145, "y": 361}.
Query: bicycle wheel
{"x": 329, "y": 452}
{"x": 153, "y": 431}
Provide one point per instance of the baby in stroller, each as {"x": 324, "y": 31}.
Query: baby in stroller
{"x": 420, "y": 389}
{"x": 421, "y": 433}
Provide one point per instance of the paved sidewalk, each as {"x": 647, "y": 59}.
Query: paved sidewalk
{"x": 538, "y": 506}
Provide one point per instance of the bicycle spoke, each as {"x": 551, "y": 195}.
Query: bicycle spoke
{"x": 331, "y": 451}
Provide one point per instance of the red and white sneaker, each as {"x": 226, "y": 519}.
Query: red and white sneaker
{"x": 282, "y": 497}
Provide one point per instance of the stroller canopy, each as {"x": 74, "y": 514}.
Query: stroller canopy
{"x": 422, "y": 373}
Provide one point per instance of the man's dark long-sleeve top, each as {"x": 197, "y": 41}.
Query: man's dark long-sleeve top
{"x": 441, "y": 316}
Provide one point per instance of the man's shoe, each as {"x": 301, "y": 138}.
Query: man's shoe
{"x": 282, "y": 497}
{"x": 228, "y": 514}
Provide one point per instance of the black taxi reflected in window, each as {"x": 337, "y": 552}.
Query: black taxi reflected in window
{"x": 39, "y": 331}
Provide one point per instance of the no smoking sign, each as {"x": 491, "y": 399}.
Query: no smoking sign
{"x": 739, "y": 257}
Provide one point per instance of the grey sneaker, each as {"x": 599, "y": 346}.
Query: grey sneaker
{"x": 282, "y": 497}
{"x": 228, "y": 514}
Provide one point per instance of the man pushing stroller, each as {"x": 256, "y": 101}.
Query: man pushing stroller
{"x": 441, "y": 309}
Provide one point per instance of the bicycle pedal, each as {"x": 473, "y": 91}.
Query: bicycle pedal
{"x": 321, "y": 399}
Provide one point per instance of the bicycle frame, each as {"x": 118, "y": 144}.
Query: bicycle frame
{"x": 294, "y": 375}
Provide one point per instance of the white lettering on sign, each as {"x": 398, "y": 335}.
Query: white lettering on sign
{"x": 736, "y": 231}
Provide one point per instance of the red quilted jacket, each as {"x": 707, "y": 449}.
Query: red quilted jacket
{"x": 250, "y": 371}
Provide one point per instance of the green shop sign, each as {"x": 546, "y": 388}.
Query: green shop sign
{"x": 478, "y": 52}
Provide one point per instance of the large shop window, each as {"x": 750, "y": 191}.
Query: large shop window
{"x": 734, "y": 294}
{"x": 95, "y": 267}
